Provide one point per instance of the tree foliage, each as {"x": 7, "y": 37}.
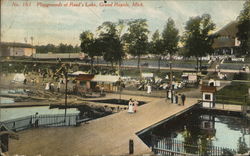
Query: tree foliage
{"x": 61, "y": 48}
{"x": 170, "y": 37}
{"x": 197, "y": 37}
{"x": 244, "y": 28}
{"x": 89, "y": 45}
{"x": 111, "y": 42}
{"x": 156, "y": 46}
{"x": 137, "y": 38}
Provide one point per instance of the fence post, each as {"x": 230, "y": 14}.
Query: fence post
{"x": 69, "y": 120}
{"x": 131, "y": 146}
{"x": 14, "y": 126}
{"x": 152, "y": 142}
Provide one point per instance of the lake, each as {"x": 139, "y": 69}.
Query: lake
{"x": 217, "y": 129}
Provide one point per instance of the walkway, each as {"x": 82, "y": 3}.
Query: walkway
{"x": 107, "y": 135}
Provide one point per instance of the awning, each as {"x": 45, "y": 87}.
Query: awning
{"x": 84, "y": 77}
{"x": 77, "y": 73}
{"x": 105, "y": 78}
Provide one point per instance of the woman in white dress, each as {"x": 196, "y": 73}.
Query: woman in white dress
{"x": 149, "y": 89}
{"x": 130, "y": 106}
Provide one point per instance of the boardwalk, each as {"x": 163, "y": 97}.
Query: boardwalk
{"x": 107, "y": 135}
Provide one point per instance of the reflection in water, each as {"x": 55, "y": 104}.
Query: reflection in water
{"x": 199, "y": 127}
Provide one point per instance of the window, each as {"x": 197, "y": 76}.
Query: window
{"x": 207, "y": 97}
{"x": 207, "y": 125}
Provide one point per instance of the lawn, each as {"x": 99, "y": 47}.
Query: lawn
{"x": 235, "y": 93}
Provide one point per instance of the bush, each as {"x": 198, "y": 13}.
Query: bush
{"x": 241, "y": 76}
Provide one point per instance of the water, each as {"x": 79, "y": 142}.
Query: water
{"x": 13, "y": 91}
{"x": 5, "y": 100}
{"x": 8, "y": 100}
{"x": 225, "y": 130}
{"x": 13, "y": 113}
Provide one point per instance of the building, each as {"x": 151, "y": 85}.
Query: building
{"x": 208, "y": 96}
{"x": 227, "y": 42}
{"x": 13, "y": 49}
{"x": 94, "y": 82}
{"x": 62, "y": 56}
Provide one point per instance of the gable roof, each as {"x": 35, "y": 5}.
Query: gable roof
{"x": 226, "y": 36}
{"x": 209, "y": 89}
{"x": 229, "y": 30}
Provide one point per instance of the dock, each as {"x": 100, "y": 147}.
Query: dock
{"x": 108, "y": 135}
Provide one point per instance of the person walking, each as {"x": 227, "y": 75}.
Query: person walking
{"x": 25, "y": 81}
{"x": 183, "y": 98}
{"x": 36, "y": 120}
{"x": 58, "y": 86}
{"x": 102, "y": 89}
{"x": 149, "y": 89}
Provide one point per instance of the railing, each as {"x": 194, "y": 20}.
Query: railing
{"x": 42, "y": 121}
{"x": 173, "y": 147}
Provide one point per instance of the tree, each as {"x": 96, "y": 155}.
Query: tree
{"x": 137, "y": 38}
{"x": 111, "y": 42}
{"x": 88, "y": 43}
{"x": 61, "y": 48}
{"x": 170, "y": 39}
{"x": 156, "y": 46}
{"x": 197, "y": 38}
{"x": 242, "y": 146}
{"x": 243, "y": 29}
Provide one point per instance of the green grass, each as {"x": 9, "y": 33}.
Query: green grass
{"x": 234, "y": 94}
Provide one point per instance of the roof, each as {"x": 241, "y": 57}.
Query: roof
{"x": 16, "y": 44}
{"x": 77, "y": 73}
{"x": 106, "y": 78}
{"x": 228, "y": 30}
{"x": 210, "y": 89}
{"x": 84, "y": 77}
{"x": 227, "y": 36}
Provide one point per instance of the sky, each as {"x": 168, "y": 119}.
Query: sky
{"x": 60, "y": 22}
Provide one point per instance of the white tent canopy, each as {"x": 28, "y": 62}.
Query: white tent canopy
{"x": 105, "y": 78}
{"x": 19, "y": 77}
{"x": 78, "y": 73}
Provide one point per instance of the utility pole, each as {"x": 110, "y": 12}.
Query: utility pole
{"x": 66, "y": 91}
{"x": 0, "y": 37}
{"x": 0, "y": 23}
{"x": 32, "y": 38}
{"x": 171, "y": 77}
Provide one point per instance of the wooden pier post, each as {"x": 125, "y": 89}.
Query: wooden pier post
{"x": 131, "y": 146}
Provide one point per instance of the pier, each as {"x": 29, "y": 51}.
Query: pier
{"x": 107, "y": 135}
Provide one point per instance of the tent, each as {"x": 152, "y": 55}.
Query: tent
{"x": 108, "y": 82}
{"x": 19, "y": 77}
{"x": 77, "y": 73}
{"x": 105, "y": 78}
